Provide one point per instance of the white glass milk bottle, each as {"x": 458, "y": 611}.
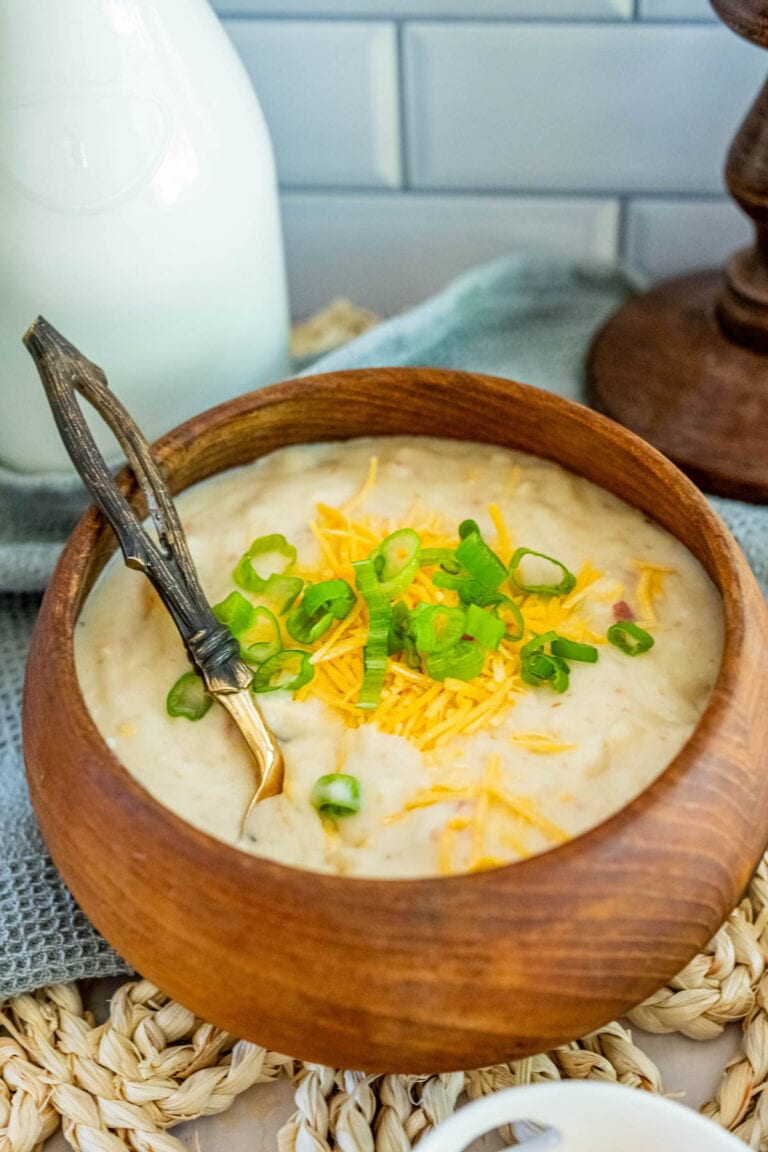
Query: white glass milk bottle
{"x": 138, "y": 212}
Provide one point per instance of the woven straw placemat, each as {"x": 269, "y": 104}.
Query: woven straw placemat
{"x": 153, "y": 1064}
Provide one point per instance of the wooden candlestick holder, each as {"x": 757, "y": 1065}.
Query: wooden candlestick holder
{"x": 686, "y": 364}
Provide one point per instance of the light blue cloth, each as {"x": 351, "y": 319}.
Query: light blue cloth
{"x": 525, "y": 318}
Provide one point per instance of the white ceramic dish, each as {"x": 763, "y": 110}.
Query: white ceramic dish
{"x": 586, "y": 1116}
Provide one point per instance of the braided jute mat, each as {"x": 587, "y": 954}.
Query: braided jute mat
{"x": 153, "y": 1064}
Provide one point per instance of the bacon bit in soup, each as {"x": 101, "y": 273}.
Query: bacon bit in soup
{"x": 622, "y": 611}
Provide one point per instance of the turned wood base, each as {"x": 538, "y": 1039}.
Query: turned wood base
{"x": 662, "y": 367}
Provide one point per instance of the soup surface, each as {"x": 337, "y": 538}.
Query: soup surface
{"x": 504, "y": 674}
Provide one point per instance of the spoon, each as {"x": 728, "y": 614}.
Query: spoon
{"x": 212, "y": 649}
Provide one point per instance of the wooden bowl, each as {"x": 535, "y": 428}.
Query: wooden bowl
{"x": 430, "y": 974}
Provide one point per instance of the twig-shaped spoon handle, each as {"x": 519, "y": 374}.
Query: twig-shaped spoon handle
{"x": 212, "y": 648}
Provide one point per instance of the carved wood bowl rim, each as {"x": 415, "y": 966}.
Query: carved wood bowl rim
{"x": 438, "y": 973}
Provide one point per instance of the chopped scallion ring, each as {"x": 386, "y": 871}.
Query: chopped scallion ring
{"x": 560, "y": 677}
{"x": 538, "y": 669}
{"x": 535, "y": 669}
{"x": 307, "y": 629}
{"x": 323, "y": 603}
{"x": 445, "y": 557}
{"x": 288, "y": 670}
{"x": 280, "y": 592}
{"x": 262, "y": 639}
{"x": 571, "y": 650}
{"x": 336, "y": 795}
{"x": 473, "y": 591}
{"x": 436, "y": 627}
{"x": 188, "y": 697}
{"x": 398, "y": 628}
{"x": 511, "y": 616}
{"x": 478, "y": 558}
{"x": 412, "y": 657}
{"x": 463, "y": 661}
{"x": 629, "y": 638}
{"x": 537, "y": 643}
{"x": 236, "y": 612}
{"x": 396, "y": 561}
{"x": 267, "y": 556}
{"x": 451, "y": 580}
{"x": 484, "y": 627}
{"x": 334, "y": 596}
{"x": 562, "y": 587}
{"x": 376, "y": 649}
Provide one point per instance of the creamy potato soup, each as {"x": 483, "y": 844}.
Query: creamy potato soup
{"x": 468, "y": 656}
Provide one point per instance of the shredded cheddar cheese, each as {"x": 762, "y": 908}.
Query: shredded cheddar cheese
{"x": 504, "y": 546}
{"x": 488, "y": 798}
{"x": 428, "y": 712}
{"x": 649, "y": 587}
{"x": 447, "y": 843}
{"x": 368, "y": 486}
{"x": 540, "y": 743}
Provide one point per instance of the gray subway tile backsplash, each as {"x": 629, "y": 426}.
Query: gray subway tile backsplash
{"x": 665, "y": 237}
{"x": 675, "y": 10}
{"x": 329, "y": 90}
{"x": 606, "y": 108}
{"x": 427, "y": 9}
{"x": 415, "y": 138}
{"x": 388, "y": 252}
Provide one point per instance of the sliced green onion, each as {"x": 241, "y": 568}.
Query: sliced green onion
{"x": 412, "y": 657}
{"x": 478, "y": 558}
{"x": 451, "y": 580}
{"x": 279, "y": 593}
{"x": 396, "y": 561}
{"x": 561, "y": 675}
{"x": 400, "y": 638}
{"x": 630, "y": 638}
{"x": 537, "y": 643}
{"x": 289, "y": 669}
{"x": 473, "y": 591}
{"x": 236, "y": 612}
{"x": 398, "y": 628}
{"x": 262, "y": 640}
{"x": 306, "y": 629}
{"x": 484, "y": 627}
{"x": 462, "y": 662}
{"x": 267, "y": 556}
{"x": 436, "y": 627}
{"x": 336, "y": 795}
{"x": 571, "y": 650}
{"x": 376, "y": 648}
{"x": 445, "y": 557}
{"x": 538, "y": 669}
{"x": 450, "y": 574}
{"x": 511, "y": 616}
{"x": 565, "y": 585}
{"x": 334, "y": 596}
{"x": 189, "y": 697}
{"x": 322, "y": 603}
